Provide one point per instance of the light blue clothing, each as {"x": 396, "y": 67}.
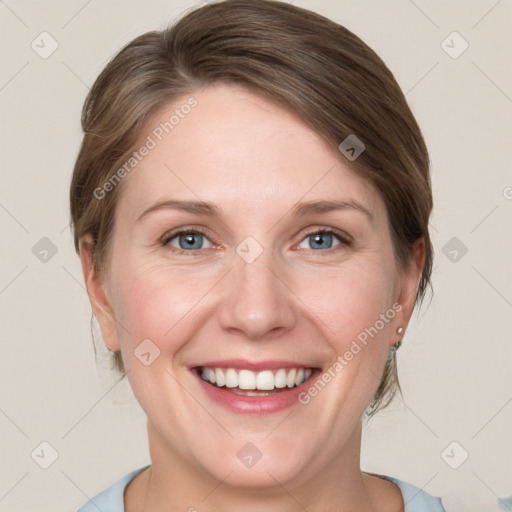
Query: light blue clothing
{"x": 505, "y": 503}
{"x": 112, "y": 499}
{"x": 415, "y": 499}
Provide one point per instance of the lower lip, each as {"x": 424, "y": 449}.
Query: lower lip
{"x": 264, "y": 404}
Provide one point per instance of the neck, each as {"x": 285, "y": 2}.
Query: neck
{"x": 173, "y": 483}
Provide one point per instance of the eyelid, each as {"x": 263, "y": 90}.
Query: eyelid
{"x": 183, "y": 231}
{"x": 180, "y": 231}
{"x": 343, "y": 237}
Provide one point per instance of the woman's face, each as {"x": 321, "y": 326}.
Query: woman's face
{"x": 253, "y": 294}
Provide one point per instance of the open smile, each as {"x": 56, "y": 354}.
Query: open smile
{"x": 245, "y": 390}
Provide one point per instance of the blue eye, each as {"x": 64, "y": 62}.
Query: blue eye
{"x": 189, "y": 240}
{"x": 322, "y": 239}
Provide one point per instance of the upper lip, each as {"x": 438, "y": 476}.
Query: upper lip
{"x": 255, "y": 366}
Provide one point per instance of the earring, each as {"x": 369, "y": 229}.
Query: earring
{"x": 396, "y": 346}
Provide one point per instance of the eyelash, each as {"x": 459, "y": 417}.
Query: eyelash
{"x": 343, "y": 239}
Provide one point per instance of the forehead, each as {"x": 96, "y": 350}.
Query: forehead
{"x": 236, "y": 149}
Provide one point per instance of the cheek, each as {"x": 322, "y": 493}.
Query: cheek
{"x": 161, "y": 304}
{"x": 157, "y": 305}
{"x": 350, "y": 301}
{"x": 355, "y": 306}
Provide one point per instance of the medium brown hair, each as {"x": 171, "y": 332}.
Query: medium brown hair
{"x": 304, "y": 62}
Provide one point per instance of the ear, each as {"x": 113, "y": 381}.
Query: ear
{"x": 408, "y": 286}
{"x": 98, "y": 295}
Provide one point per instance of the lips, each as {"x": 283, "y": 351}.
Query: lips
{"x": 248, "y": 387}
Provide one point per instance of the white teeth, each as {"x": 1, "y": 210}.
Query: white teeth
{"x": 299, "y": 378}
{"x": 246, "y": 380}
{"x": 265, "y": 380}
{"x": 231, "y": 378}
{"x": 290, "y": 378}
{"x": 220, "y": 380}
{"x": 280, "y": 379}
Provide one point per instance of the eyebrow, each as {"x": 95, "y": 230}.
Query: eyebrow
{"x": 322, "y": 206}
{"x": 197, "y": 207}
{"x": 299, "y": 210}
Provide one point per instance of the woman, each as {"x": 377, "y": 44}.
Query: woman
{"x": 250, "y": 205}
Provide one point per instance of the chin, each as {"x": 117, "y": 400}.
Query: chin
{"x": 256, "y": 463}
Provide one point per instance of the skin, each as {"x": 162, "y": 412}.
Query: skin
{"x": 296, "y": 301}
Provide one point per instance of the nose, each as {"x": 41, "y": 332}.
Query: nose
{"x": 256, "y": 302}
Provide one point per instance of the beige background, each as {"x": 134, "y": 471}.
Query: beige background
{"x": 455, "y": 364}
